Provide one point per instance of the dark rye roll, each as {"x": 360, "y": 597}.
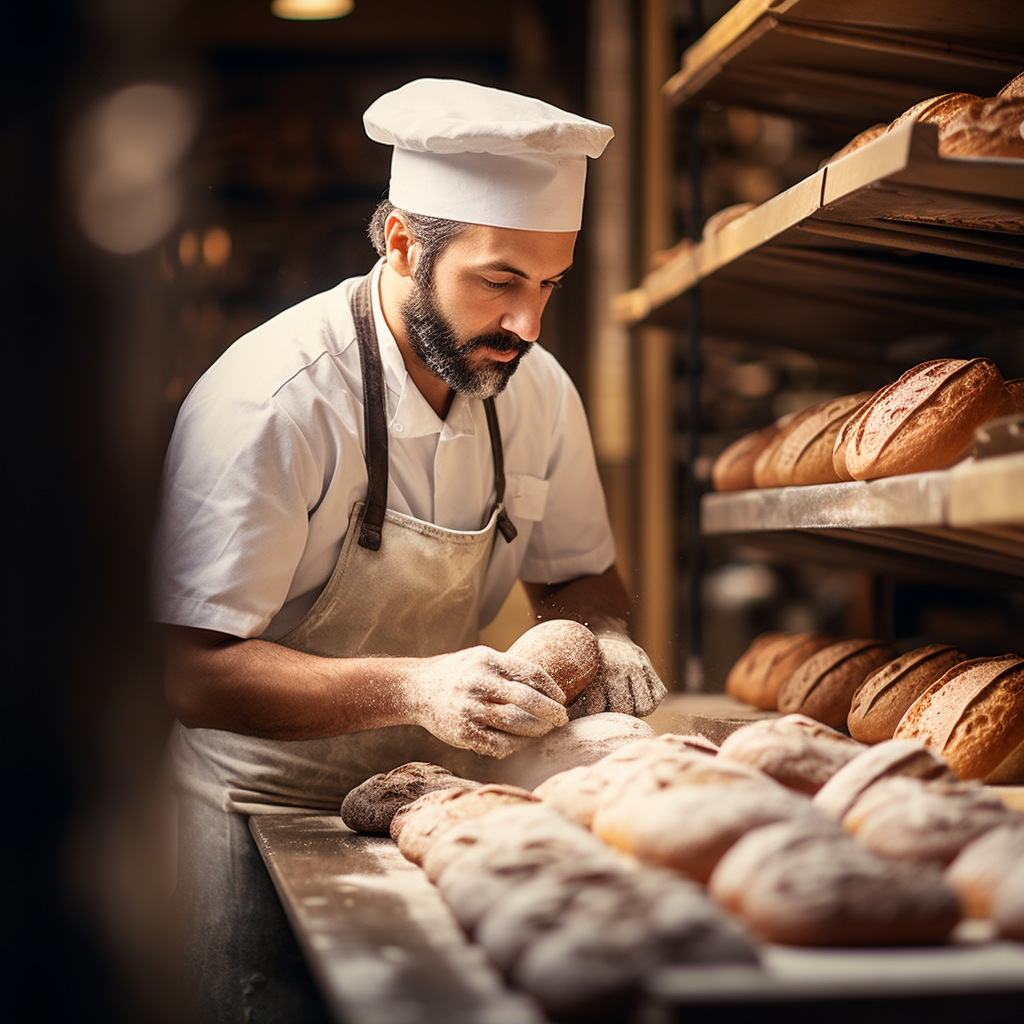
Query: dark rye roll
{"x": 973, "y": 717}
{"x": 883, "y": 698}
{"x": 823, "y": 686}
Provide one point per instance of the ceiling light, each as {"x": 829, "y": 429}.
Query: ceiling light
{"x": 311, "y": 10}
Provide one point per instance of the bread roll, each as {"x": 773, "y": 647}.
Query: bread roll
{"x": 884, "y": 696}
{"x": 973, "y": 717}
{"x": 979, "y": 868}
{"x": 802, "y": 453}
{"x": 768, "y": 662}
{"x": 733, "y": 470}
{"x": 823, "y": 686}
{"x": 923, "y": 421}
{"x": 565, "y": 649}
{"x": 910, "y": 819}
{"x": 882, "y": 761}
{"x": 985, "y": 127}
{"x": 795, "y": 750}
{"x": 372, "y": 804}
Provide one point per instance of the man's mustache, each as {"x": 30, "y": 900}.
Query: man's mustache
{"x": 498, "y": 343}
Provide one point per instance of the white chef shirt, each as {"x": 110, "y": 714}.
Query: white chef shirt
{"x": 266, "y": 460}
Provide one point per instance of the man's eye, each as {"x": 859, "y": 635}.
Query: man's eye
{"x": 496, "y": 284}
{"x": 552, "y": 284}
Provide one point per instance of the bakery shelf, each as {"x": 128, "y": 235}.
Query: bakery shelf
{"x": 888, "y": 242}
{"x": 850, "y": 63}
{"x": 970, "y": 516}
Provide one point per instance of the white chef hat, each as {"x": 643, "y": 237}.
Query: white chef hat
{"x": 485, "y": 156}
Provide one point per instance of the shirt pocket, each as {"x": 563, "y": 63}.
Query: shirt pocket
{"x": 525, "y": 496}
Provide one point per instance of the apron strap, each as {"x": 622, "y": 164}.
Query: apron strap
{"x": 376, "y": 431}
{"x": 374, "y": 419}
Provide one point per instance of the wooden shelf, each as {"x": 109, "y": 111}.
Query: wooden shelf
{"x": 971, "y": 516}
{"x": 850, "y": 63}
{"x": 890, "y": 241}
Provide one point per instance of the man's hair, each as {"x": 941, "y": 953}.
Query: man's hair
{"x": 433, "y": 233}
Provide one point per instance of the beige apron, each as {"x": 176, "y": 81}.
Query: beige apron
{"x": 401, "y": 587}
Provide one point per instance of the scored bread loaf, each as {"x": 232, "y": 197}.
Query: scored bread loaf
{"x": 1014, "y": 88}
{"x": 883, "y": 698}
{"x": 938, "y": 110}
{"x": 768, "y": 662}
{"x": 973, "y": 716}
{"x": 823, "y": 686}
{"x": 801, "y": 454}
{"x": 923, "y": 421}
{"x": 985, "y": 127}
{"x": 733, "y": 469}
{"x": 565, "y": 649}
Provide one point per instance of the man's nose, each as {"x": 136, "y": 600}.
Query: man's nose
{"x": 523, "y": 319}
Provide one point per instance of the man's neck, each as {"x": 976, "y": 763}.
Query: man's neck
{"x": 394, "y": 291}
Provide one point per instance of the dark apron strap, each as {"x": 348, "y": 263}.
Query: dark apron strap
{"x": 376, "y": 430}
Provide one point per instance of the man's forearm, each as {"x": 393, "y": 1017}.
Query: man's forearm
{"x": 600, "y": 602}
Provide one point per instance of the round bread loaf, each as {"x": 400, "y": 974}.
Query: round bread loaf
{"x": 794, "y": 750}
{"x": 1014, "y": 88}
{"x": 689, "y": 827}
{"x": 372, "y": 804}
{"x": 823, "y": 686}
{"x": 582, "y": 742}
{"x": 1008, "y": 904}
{"x": 979, "y": 868}
{"x": 923, "y": 421}
{"x": 802, "y": 452}
{"x": 768, "y": 662}
{"x": 910, "y": 819}
{"x": 938, "y": 110}
{"x": 985, "y": 127}
{"x": 733, "y": 469}
{"x": 973, "y": 717}
{"x": 565, "y": 649}
{"x": 883, "y": 760}
{"x": 415, "y": 826}
{"x": 826, "y": 890}
{"x": 886, "y": 694}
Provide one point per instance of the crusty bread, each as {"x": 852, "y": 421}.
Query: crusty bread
{"x": 1012, "y": 399}
{"x": 733, "y": 469}
{"x": 823, "y": 686}
{"x": 923, "y": 421}
{"x": 974, "y": 718}
{"x": 936, "y": 109}
{"x": 1014, "y": 89}
{"x": 802, "y": 453}
{"x": 985, "y": 127}
{"x": 565, "y": 649}
{"x": 768, "y": 662}
{"x": 795, "y": 750}
{"x": 884, "y": 696}
{"x": 859, "y": 140}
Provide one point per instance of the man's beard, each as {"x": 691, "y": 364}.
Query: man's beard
{"x": 432, "y": 338}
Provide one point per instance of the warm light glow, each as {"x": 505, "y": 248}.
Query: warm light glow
{"x": 188, "y": 248}
{"x": 216, "y": 247}
{"x": 311, "y": 10}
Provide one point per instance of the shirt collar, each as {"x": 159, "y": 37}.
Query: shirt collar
{"x": 408, "y": 413}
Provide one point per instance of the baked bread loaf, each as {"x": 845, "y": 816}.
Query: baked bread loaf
{"x": 1014, "y": 89}
{"x": 372, "y": 804}
{"x": 985, "y": 127}
{"x": 726, "y": 215}
{"x": 938, "y": 110}
{"x": 795, "y": 750}
{"x": 859, "y": 140}
{"x": 801, "y": 453}
{"x": 881, "y": 761}
{"x": 974, "y": 718}
{"x": 768, "y": 662}
{"x": 581, "y": 742}
{"x": 1012, "y": 399}
{"x": 733, "y": 469}
{"x": 795, "y": 883}
{"x": 979, "y": 868}
{"x": 565, "y": 649}
{"x": 904, "y": 818}
{"x": 886, "y": 694}
{"x": 823, "y": 686}
{"x": 415, "y": 826}
{"x": 923, "y": 421}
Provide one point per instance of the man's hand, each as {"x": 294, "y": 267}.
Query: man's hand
{"x": 485, "y": 701}
{"x": 626, "y": 682}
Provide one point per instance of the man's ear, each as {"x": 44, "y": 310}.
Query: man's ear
{"x": 401, "y": 247}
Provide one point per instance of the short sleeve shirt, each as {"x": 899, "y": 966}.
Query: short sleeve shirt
{"x": 267, "y": 458}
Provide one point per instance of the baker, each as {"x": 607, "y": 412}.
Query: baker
{"x": 350, "y": 493}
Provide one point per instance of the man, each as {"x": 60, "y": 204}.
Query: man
{"x": 353, "y": 489}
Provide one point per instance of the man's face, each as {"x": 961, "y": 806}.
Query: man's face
{"x": 480, "y": 312}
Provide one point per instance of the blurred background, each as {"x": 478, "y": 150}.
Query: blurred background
{"x": 177, "y": 171}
